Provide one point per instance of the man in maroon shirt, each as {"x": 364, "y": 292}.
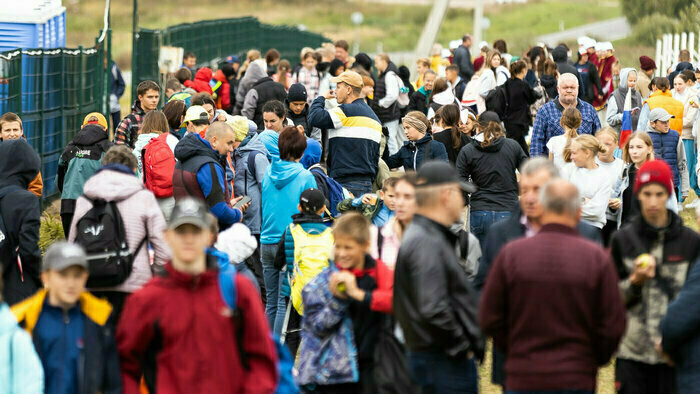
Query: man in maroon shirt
{"x": 552, "y": 302}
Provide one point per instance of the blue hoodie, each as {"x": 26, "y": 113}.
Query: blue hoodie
{"x": 271, "y": 139}
{"x": 281, "y": 188}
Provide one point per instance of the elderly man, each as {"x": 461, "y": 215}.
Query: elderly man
{"x": 525, "y": 221}
{"x": 552, "y": 302}
{"x": 548, "y": 116}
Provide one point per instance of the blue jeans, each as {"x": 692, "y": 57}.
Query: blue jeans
{"x": 691, "y": 157}
{"x": 480, "y": 221}
{"x": 436, "y": 373}
{"x": 271, "y": 277}
{"x": 356, "y": 185}
{"x": 550, "y": 392}
{"x": 281, "y": 307}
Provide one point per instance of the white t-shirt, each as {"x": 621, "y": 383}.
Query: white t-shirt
{"x": 614, "y": 172}
{"x": 556, "y": 148}
{"x": 594, "y": 187}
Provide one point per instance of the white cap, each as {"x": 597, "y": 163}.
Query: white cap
{"x": 586, "y": 42}
{"x": 454, "y": 44}
{"x": 604, "y": 46}
{"x": 582, "y": 40}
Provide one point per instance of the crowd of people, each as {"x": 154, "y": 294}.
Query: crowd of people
{"x": 340, "y": 227}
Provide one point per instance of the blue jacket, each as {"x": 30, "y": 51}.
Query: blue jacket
{"x": 412, "y": 154}
{"x": 668, "y": 147}
{"x": 79, "y": 354}
{"x": 281, "y": 187}
{"x": 20, "y": 367}
{"x": 327, "y": 353}
{"x": 354, "y": 133}
{"x": 248, "y": 182}
{"x": 680, "y": 331}
{"x": 271, "y": 139}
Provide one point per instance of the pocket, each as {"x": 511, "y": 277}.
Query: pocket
{"x": 477, "y": 220}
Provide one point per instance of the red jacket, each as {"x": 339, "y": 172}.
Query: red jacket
{"x": 201, "y": 81}
{"x": 606, "y": 81}
{"x": 180, "y": 327}
{"x": 383, "y": 295}
{"x": 223, "y": 93}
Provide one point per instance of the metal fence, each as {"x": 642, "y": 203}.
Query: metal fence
{"x": 52, "y": 90}
{"x": 213, "y": 40}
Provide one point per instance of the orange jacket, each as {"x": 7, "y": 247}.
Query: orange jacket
{"x": 665, "y": 100}
{"x": 37, "y": 185}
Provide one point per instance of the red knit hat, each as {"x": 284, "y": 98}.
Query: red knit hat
{"x": 646, "y": 63}
{"x": 654, "y": 171}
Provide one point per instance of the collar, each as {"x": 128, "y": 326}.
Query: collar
{"x": 369, "y": 269}
{"x": 561, "y": 107}
{"x": 558, "y": 228}
{"x": 116, "y": 167}
{"x": 28, "y": 311}
{"x": 451, "y": 237}
{"x": 525, "y": 223}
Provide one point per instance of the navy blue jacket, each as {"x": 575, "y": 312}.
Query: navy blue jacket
{"x": 412, "y": 154}
{"x": 666, "y": 148}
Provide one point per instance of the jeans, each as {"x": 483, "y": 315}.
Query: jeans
{"x": 480, "y": 221}
{"x": 691, "y": 158}
{"x": 396, "y": 136}
{"x": 436, "y": 373}
{"x": 271, "y": 277}
{"x": 281, "y": 307}
{"x": 357, "y": 185}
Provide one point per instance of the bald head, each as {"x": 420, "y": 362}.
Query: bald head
{"x": 221, "y": 137}
{"x": 561, "y": 202}
{"x": 567, "y": 86}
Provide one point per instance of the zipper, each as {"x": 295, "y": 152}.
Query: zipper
{"x": 415, "y": 157}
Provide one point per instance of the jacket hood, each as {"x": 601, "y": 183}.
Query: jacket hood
{"x": 254, "y": 144}
{"x": 90, "y": 134}
{"x": 312, "y": 154}
{"x": 391, "y": 67}
{"x": 203, "y": 74}
{"x": 257, "y": 70}
{"x": 444, "y": 98}
{"x": 262, "y": 80}
{"x": 270, "y": 139}
{"x": 495, "y": 146}
{"x": 220, "y": 76}
{"x": 283, "y": 172}
{"x": 305, "y": 217}
{"x": 683, "y": 66}
{"x": 193, "y": 145}
{"x": 548, "y": 81}
{"x": 363, "y": 60}
{"x": 334, "y": 65}
{"x": 19, "y": 164}
{"x": 624, "y": 74}
{"x": 559, "y": 54}
{"x": 110, "y": 185}
{"x": 136, "y": 108}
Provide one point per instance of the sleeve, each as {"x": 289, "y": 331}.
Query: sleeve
{"x": 119, "y": 81}
{"x": 155, "y": 223}
{"x": 261, "y": 376}
{"x": 392, "y": 90}
{"x": 611, "y": 313}
{"x": 485, "y": 85}
{"x": 383, "y": 296}
{"x": 412, "y": 102}
{"x": 320, "y": 117}
{"x": 322, "y": 316}
{"x": 27, "y": 373}
{"x": 643, "y": 118}
{"x": 123, "y": 128}
{"x": 682, "y": 320}
{"x": 225, "y": 96}
{"x": 350, "y": 204}
{"x": 36, "y": 186}
{"x": 112, "y": 383}
{"x": 596, "y": 120}
{"x": 249, "y": 104}
{"x": 135, "y": 331}
{"x": 82, "y": 205}
{"x": 462, "y": 165}
{"x": 613, "y": 115}
{"x": 61, "y": 174}
{"x": 596, "y": 206}
{"x": 214, "y": 195}
{"x": 689, "y": 115}
{"x": 492, "y": 310}
{"x": 28, "y": 245}
{"x": 683, "y": 168}
{"x": 596, "y": 80}
{"x": 395, "y": 160}
{"x": 538, "y": 134}
{"x": 630, "y": 292}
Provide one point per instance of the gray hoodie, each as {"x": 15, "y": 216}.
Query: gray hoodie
{"x": 256, "y": 71}
{"x": 248, "y": 183}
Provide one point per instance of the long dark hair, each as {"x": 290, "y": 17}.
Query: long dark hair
{"x": 449, "y": 115}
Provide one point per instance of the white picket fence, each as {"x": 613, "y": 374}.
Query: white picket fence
{"x": 670, "y": 45}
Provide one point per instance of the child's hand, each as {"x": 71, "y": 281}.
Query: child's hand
{"x": 335, "y": 280}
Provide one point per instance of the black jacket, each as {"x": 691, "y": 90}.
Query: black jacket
{"x": 413, "y": 154}
{"x": 434, "y": 302}
{"x": 492, "y": 169}
{"x": 418, "y": 101}
{"x": 268, "y": 90}
{"x": 560, "y": 58}
{"x": 680, "y": 67}
{"x": 549, "y": 83}
{"x": 21, "y": 213}
{"x": 590, "y": 81}
{"x": 520, "y": 97}
{"x": 385, "y": 114}
{"x": 445, "y": 137}
{"x": 463, "y": 60}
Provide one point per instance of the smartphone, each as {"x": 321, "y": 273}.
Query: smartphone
{"x": 243, "y": 201}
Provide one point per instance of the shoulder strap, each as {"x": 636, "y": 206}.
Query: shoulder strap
{"x": 250, "y": 167}
{"x": 229, "y": 295}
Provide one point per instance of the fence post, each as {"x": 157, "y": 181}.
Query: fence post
{"x": 691, "y": 46}
{"x": 684, "y": 40}
{"x": 676, "y": 48}
{"x": 658, "y": 56}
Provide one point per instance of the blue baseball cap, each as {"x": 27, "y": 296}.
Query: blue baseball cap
{"x": 232, "y": 59}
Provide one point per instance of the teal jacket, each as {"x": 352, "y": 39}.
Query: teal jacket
{"x": 20, "y": 367}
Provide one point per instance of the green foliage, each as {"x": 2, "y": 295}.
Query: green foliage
{"x": 636, "y": 10}
{"x": 651, "y": 27}
{"x": 51, "y": 230}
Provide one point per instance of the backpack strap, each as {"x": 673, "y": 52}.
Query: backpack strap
{"x": 250, "y": 167}
{"x": 227, "y": 287}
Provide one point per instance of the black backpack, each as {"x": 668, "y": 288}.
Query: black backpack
{"x": 498, "y": 100}
{"x": 101, "y": 232}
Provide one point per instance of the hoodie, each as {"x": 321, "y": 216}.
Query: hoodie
{"x": 222, "y": 90}
{"x": 201, "y": 81}
{"x": 20, "y": 367}
{"x": 560, "y": 57}
{"x": 492, "y": 169}
{"x": 21, "y": 213}
{"x": 549, "y": 83}
{"x": 141, "y": 216}
{"x": 616, "y": 103}
{"x": 312, "y": 154}
{"x": 443, "y": 98}
{"x": 248, "y": 182}
{"x": 281, "y": 189}
{"x": 680, "y": 67}
{"x": 255, "y": 72}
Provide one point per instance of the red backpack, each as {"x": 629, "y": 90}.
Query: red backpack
{"x": 158, "y": 166}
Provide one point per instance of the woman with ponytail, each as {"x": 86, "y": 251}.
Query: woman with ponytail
{"x": 593, "y": 183}
{"x": 560, "y": 146}
{"x": 450, "y": 136}
{"x": 490, "y": 164}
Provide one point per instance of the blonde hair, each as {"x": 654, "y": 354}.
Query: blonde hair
{"x": 570, "y": 121}
{"x": 489, "y": 56}
{"x": 424, "y": 61}
{"x": 607, "y": 130}
{"x": 591, "y": 144}
{"x": 645, "y": 138}
{"x": 352, "y": 225}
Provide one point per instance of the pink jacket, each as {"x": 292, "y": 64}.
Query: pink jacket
{"x": 139, "y": 211}
{"x": 391, "y": 244}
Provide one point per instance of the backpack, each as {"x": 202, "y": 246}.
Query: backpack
{"x": 336, "y": 191}
{"x": 158, "y": 166}
{"x": 132, "y": 133}
{"x": 252, "y": 168}
{"x": 311, "y": 254}
{"x": 403, "y": 99}
{"x": 498, "y": 100}
{"x": 285, "y": 361}
{"x": 101, "y": 233}
{"x": 544, "y": 99}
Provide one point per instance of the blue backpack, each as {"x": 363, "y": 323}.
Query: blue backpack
{"x": 285, "y": 361}
{"x": 336, "y": 192}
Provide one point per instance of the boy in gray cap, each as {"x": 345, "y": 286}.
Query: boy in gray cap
{"x": 668, "y": 146}
{"x": 69, "y": 326}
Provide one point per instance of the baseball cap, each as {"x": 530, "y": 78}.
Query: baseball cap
{"x": 349, "y": 77}
{"x": 435, "y": 173}
{"x": 654, "y": 171}
{"x": 232, "y": 59}
{"x": 488, "y": 116}
{"x": 312, "y": 200}
{"x": 195, "y": 112}
{"x": 659, "y": 114}
{"x": 189, "y": 211}
{"x": 100, "y": 119}
{"x": 62, "y": 255}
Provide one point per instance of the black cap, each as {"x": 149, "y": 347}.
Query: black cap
{"x": 297, "y": 92}
{"x": 189, "y": 211}
{"x": 312, "y": 200}
{"x": 488, "y": 116}
{"x": 436, "y": 173}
